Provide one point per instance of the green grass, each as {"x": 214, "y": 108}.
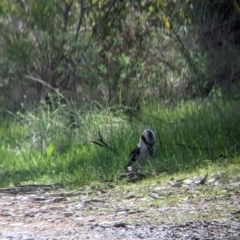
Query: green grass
{"x": 54, "y": 145}
{"x": 157, "y": 192}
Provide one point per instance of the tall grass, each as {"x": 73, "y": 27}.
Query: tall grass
{"x": 54, "y": 145}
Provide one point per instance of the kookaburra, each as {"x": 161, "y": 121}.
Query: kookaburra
{"x": 142, "y": 151}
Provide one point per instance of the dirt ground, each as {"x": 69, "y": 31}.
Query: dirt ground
{"x": 184, "y": 211}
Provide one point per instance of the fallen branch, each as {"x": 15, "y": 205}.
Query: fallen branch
{"x": 101, "y": 143}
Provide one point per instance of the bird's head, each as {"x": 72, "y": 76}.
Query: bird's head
{"x": 148, "y": 137}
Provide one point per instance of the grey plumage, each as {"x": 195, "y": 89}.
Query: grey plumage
{"x": 142, "y": 151}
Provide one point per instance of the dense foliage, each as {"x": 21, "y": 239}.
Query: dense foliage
{"x": 116, "y": 51}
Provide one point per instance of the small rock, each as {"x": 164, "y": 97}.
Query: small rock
{"x": 105, "y": 224}
{"x": 16, "y": 224}
{"x": 67, "y": 214}
{"x": 56, "y": 208}
{"x": 119, "y": 224}
{"x": 91, "y": 220}
{"x": 59, "y": 199}
{"x": 29, "y": 214}
{"x": 188, "y": 181}
{"x": 212, "y": 180}
{"x": 6, "y": 213}
{"x": 159, "y": 189}
{"x": 153, "y": 195}
{"x": 177, "y": 184}
{"x": 39, "y": 198}
{"x": 130, "y": 196}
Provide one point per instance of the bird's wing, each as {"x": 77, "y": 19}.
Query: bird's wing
{"x": 133, "y": 156}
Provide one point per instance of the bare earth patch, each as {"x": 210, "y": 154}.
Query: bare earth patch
{"x": 133, "y": 211}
